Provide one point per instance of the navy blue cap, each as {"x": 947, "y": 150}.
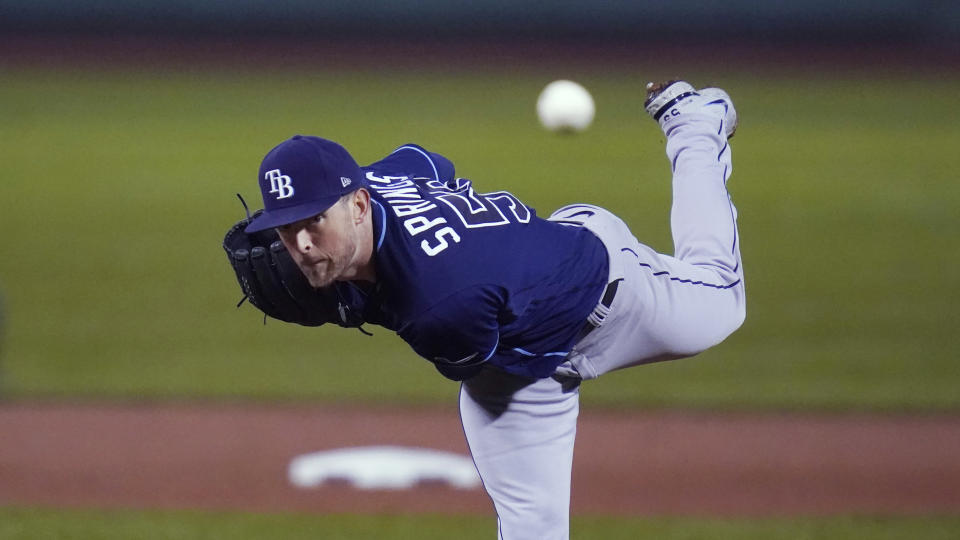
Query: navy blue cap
{"x": 301, "y": 177}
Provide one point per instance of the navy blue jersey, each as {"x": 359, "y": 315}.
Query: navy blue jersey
{"x": 468, "y": 278}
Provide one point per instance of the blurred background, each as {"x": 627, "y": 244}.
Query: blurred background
{"x": 129, "y": 126}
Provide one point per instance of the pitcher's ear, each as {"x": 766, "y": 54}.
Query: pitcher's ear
{"x": 360, "y": 204}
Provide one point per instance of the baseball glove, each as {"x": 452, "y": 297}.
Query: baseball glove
{"x": 272, "y": 282}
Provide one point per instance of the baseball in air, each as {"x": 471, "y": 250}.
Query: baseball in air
{"x": 565, "y": 106}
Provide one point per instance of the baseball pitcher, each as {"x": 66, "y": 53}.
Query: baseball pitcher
{"x": 518, "y": 307}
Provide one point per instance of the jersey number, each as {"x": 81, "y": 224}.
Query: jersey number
{"x": 484, "y": 209}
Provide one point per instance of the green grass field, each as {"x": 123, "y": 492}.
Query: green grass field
{"x": 119, "y": 185}
{"x": 37, "y": 524}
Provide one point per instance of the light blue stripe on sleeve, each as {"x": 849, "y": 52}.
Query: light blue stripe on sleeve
{"x": 528, "y": 353}
{"x": 436, "y": 175}
{"x": 494, "y": 349}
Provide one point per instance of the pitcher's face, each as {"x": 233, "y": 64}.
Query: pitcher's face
{"x": 324, "y": 246}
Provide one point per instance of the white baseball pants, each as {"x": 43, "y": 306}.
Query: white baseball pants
{"x": 521, "y": 432}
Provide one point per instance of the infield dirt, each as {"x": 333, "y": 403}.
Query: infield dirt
{"x": 626, "y": 463}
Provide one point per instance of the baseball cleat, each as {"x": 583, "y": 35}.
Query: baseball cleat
{"x": 668, "y": 100}
{"x": 662, "y": 95}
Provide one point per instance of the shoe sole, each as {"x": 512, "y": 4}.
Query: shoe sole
{"x": 662, "y": 96}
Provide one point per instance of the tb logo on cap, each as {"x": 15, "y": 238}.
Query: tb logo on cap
{"x": 279, "y": 184}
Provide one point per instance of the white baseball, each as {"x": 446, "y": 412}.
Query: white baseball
{"x": 565, "y": 106}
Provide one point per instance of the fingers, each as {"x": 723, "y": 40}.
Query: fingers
{"x": 247, "y": 277}
{"x": 314, "y": 308}
{"x": 273, "y": 283}
{"x": 291, "y": 276}
{"x": 269, "y": 280}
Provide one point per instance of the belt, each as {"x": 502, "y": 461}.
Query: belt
{"x": 596, "y": 319}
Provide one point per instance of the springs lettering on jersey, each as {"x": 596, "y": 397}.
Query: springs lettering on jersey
{"x": 422, "y": 216}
